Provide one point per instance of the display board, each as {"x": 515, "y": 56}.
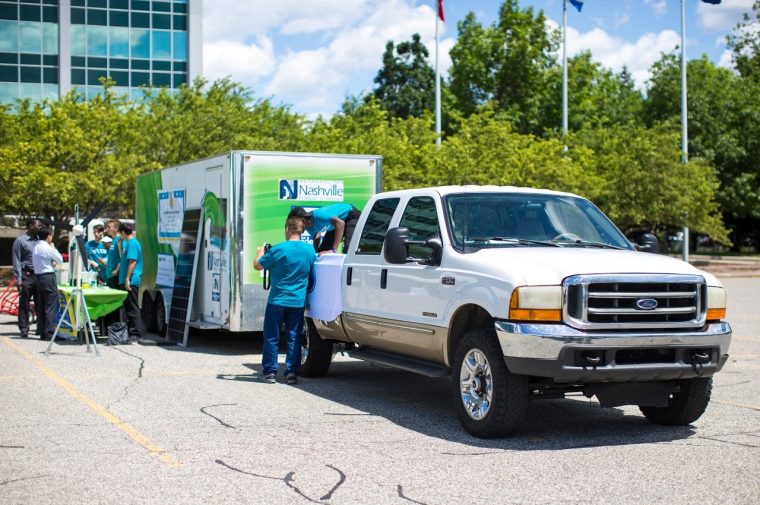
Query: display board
{"x": 184, "y": 276}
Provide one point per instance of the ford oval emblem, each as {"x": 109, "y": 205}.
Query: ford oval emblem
{"x": 646, "y": 304}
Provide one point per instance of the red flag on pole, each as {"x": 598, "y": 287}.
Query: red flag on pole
{"x": 440, "y": 11}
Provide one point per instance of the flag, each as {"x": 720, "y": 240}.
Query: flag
{"x": 440, "y": 11}
{"x": 714, "y": 2}
{"x": 578, "y": 4}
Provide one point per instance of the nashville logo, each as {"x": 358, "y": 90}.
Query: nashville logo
{"x": 298, "y": 189}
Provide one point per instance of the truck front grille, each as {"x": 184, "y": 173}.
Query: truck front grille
{"x": 634, "y": 301}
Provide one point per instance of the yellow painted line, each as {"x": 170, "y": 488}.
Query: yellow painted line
{"x": 740, "y": 405}
{"x": 127, "y": 428}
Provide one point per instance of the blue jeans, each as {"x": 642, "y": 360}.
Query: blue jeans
{"x": 274, "y": 317}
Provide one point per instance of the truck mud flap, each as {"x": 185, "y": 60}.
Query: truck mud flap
{"x": 647, "y": 394}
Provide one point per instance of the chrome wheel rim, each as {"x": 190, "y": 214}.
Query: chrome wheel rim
{"x": 304, "y": 345}
{"x": 476, "y": 384}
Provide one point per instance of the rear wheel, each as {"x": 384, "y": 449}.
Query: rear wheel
{"x": 685, "y": 406}
{"x": 316, "y": 354}
{"x": 489, "y": 400}
{"x": 148, "y": 312}
{"x": 159, "y": 316}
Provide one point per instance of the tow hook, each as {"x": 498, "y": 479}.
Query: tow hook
{"x": 698, "y": 360}
{"x": 591, "y": 359}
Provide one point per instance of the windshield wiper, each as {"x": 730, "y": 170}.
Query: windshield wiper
{"x": 516, "y": 240}
{"x": 588, "y": 243}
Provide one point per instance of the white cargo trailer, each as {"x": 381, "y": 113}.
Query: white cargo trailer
{"x": 241, "y": 200}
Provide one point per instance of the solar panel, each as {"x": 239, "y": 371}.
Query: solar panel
{"x": 184, "y": 277}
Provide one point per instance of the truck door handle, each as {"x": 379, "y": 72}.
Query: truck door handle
{"x": 349, "y": 274}
{"x": 383, "y": 278}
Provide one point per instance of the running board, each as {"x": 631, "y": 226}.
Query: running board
{"x": 415, "y": 365}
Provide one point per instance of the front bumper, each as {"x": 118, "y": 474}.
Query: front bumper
{"x": 559, "y": 352}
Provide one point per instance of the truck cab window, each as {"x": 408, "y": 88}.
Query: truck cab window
{"x": 378, "y": 220}
{"x": 421, "y": 217}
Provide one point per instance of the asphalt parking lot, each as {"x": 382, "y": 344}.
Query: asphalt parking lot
{"x": 152, "y": 424}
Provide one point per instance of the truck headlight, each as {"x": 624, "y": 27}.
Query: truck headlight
{"x": 716, "y": 303}
{"x": 536, "y": 303}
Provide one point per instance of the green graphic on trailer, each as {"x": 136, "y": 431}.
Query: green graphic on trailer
{"x": 146, "y": 216}
{"x": 269, "y": 195}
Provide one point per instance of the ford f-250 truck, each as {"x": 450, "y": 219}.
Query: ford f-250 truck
{"x": 521, "y": 294}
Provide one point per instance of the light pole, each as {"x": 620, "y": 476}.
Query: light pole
{"x": 684, "y": 126}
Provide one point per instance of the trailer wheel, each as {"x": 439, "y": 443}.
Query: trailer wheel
{"x": 489, "y": 400}
{"x": 148, "y": 312}
{"x": 159, "y": 315}
{"x": 316, "y": 354}
{"x": 685, "y": 405}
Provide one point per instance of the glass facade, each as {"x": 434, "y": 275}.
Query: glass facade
{"x": 134, "y": 42}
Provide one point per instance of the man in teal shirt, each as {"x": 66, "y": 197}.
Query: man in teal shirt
{"x": 289, "y": 263}
{"x": 130, "y": 274}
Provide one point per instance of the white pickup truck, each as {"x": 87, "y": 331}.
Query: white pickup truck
{"x": 521, "y": 294}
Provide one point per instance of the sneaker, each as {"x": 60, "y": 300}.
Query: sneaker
{"x": 269, "y": 378}
{"x": 291, "y": 378}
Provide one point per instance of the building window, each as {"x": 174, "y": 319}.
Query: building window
{"x": 180, "y": 46}
{"x": 49, "y": 38}
{"x": 30, "y": 13}
{"x": 140, "y": 43}
{"x": 162, "y": 45}
{"x": 9, "y": 11}
{"x": 118, "y": 42}
{"x": 30, "y": 37}
{"x": 9, "y": 36}
{"x": 97, "y": 41}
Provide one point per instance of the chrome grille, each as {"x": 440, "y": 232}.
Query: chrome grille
{"x": 634, "y": 301}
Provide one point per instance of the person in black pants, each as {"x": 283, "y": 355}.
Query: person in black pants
{"x": 23, "y": 272}
{"x": 44, "y": 258}
{"x": 130, "y": 274}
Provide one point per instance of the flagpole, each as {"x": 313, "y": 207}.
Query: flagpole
{"x": 684, "y": 123}
{"x": 437, "y": 84}
{"x": 564, "y": 68}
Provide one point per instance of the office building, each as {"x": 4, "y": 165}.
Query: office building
{"x": 48, "y": 47}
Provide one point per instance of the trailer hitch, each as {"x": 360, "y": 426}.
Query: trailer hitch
{"x": 698, "y": 361}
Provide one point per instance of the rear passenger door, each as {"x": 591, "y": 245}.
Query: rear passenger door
{"x": 363, "y": 273}
{"x": 414, "y": 297}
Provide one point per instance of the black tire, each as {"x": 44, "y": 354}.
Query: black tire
{"x": 159, "y": 316}
{"x": 509, "y": 392}
{"x": 685, "y": 406}
{"x": 316, "y": 354}
{"x": 148, "y": 313}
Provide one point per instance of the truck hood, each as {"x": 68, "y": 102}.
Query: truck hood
{"x": 550, "y": 265}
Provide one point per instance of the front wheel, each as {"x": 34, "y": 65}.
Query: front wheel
{"x": 685, "y": 406}
{"x": 316, "y": 354}
{"x": 489, "y": 400}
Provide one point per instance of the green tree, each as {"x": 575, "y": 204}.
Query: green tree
{"x": 596, "y": 96}
{"x": 68, "y": 152}
{"x": 506, "y": 63}
{"x": 744, "y": 42}
{"x": 722, "y": 108}
{"x": 405, "y": 85}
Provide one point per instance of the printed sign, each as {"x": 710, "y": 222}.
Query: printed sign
{"x": 171, "y": 209}
{"x": 300, "y": 189}
{"x": 165, "y": 272}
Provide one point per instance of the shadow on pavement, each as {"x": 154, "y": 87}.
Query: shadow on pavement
{"x": 425, "y": 405}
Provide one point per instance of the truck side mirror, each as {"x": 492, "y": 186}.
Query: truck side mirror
{"x": 648, "y": 243}
{"x": 436, "y": 249}
{"x": 395, "y": 246}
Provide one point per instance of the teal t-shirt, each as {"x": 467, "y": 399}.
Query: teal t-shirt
{"x": 289, "y": 264}
{"x": 113, "y": 257}
{"x": 97, "y": 251}
{"x": 132, "y": 251}
{"x": 322, "y": 217}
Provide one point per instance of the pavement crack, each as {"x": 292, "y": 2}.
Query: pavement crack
{"x": 203, "y": 409}
{"x": 336, "y": 486}
{"x": 23, "y": 478}
{"x": 11, "y": 447}
{"x": 731, "y": 442}
{"x": 288, "y": 481}
{"x": 134, "y": 382}
{"x": 401, "y": 495}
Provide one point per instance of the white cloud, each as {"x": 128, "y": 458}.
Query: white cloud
{"x": 722, "y": 17}
{"x": 244, "y": 62}
{"x": 726, "y": 59}
{"x": 614, "y": 53}
{"x": 660, "y": 7}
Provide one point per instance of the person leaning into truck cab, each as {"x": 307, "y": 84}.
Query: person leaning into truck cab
{"x": 289, "y": 263}
{"x": 330, "y": 226}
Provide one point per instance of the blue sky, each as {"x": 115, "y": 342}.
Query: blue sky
{"x": 311, "y": 54}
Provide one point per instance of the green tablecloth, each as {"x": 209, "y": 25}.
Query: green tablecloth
{"x": 100, "y": 301}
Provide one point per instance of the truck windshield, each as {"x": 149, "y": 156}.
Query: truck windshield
{"x": 478, "y": 220}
